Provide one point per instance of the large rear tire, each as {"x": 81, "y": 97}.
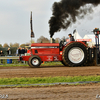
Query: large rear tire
{"x": 64, "y": 63}
{"x": 34, "y": 61}
{"x": 75, "y": 54}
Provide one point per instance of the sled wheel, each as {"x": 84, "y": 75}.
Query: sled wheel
{"x": 34, "y": 61}
{"x": 75, "y": 54}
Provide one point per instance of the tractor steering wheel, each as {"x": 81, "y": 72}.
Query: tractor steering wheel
{"x": 61, "y": 44}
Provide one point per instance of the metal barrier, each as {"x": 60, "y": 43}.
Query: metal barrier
{"x": 8, "y": 58}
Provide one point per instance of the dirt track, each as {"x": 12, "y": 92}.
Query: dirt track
{"x": 48, "y": 71}
{"x": 85, "y": 92}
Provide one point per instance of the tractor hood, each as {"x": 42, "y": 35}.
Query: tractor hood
{"x": 44, "y": 44}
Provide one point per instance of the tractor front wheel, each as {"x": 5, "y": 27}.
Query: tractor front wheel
{"x": 34, "y": 61}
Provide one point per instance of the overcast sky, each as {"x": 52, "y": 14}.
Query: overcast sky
{"x": 15, "y": 21}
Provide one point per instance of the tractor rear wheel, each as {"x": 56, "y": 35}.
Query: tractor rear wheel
{"x": 64, "y": 63}
{"x": 34, "y": 61}
{"x": 75, "y": 54}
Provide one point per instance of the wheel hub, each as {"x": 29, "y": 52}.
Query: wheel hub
{"x": 76, "y": 55}
{"x": 35, "y": 61}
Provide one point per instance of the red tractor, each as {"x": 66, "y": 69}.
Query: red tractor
{"x": 72, "y": 54}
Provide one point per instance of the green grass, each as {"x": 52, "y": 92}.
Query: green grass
{"x": 13, "y": 65}
{"x": 51, "y": 63}
{"x": 38, "y": 80}
{"x": 22, "y": 64}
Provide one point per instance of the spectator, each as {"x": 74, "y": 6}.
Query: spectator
{"x": 8, "y": 52}
{"x": 19, "y": 51}
{"x": 1, "y": 54}
{"x": 26, "y": 50}
{"x": 22, "y": 52}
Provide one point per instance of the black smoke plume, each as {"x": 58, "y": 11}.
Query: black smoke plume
{"x": 67, "y": 12}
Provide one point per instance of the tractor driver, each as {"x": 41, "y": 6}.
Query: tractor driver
{"x": 71, "y": 38}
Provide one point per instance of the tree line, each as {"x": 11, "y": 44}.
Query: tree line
{"x": 41, "y": 39}
{"x": 14, "y": 46}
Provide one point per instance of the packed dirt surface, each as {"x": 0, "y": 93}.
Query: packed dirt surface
{"x": 87, "y": 92}
{"x": 10, "y": 72}
{"x": 82, "y": 92}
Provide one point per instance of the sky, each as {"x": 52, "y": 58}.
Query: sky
{"x": 15, "y": 21}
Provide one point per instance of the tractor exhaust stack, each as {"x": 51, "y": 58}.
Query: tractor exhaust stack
{"x": 50, "y": 40}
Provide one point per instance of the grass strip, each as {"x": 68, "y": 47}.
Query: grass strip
{"x": 21, "y": 64}
{"x": 13, "y": 65}
{"x": 39, "y": 80}
{"x": 51, "y": 63}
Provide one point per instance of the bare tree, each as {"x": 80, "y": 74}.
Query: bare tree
{"x": 15, "y": 45}
{"x": 32, "y": 41}
{"x": 57, "y": 40}
{"x": 43, "y": 39}
{"x": 11, "y": 45}
{"x": 5, "y": 45}
{"x": 0, "y": 45}
{"x": 22, "y": 45}
{"x": 27, "y": 44}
